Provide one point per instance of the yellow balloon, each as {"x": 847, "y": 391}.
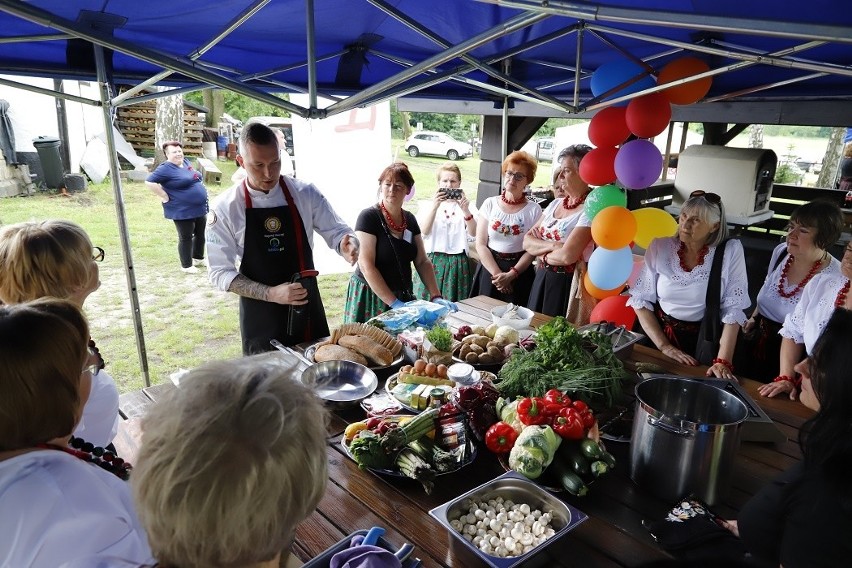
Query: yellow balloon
{"x": 652, "y": 223}
{"x": 613, "y": 227}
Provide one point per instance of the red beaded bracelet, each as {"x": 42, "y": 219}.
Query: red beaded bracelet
{"x": 724, "y": 362}
{"x": 468, "y": 217}
{"x": 515, "y": 270}
{"x": 781, "y": 378}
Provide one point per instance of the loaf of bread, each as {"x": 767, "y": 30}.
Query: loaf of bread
{"x": 380, "y": 336}
{"x": 376, "y": 353}
{"x": 332, "y": 352}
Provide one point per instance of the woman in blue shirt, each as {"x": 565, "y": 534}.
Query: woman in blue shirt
{"x": 184, "y": 202}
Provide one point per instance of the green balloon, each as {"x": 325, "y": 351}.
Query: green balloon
{"x": 604, "y": 196}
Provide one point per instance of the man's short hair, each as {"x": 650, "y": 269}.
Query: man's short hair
{"x": 256, "y": 133}
{"x": 43, "y": 258}
{"x": 230, "y": 464}
{"x": 42, "y": 354}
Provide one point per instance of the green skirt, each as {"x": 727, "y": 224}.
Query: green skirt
{"x": 452, "y": 271}
{"x": 361, "y": 303}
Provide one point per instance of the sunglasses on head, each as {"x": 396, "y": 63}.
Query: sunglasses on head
{"x": 711, "y": 197}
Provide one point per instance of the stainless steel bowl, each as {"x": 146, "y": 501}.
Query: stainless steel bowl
{"x": 514, "y": 486}
{"x": 340, "y": 381}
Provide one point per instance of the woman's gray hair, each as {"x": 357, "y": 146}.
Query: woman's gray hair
{"x": 230, "y": 464}
{"x": 709, "y": 213}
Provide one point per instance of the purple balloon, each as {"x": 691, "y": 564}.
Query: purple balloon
{"x": 638, "y": 164}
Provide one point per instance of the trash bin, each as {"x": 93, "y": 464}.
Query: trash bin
{"x": 51, "y": 162}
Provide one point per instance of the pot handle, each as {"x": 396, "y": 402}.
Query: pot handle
{"x": 657, "y": 423}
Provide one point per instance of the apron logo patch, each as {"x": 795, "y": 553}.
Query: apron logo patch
{"x": 211, "y": 218}
{"x": 272, "y": 224}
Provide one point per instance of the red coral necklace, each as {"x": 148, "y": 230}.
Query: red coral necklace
{"x": 523, "y": 199}
{"x": 398, "y": 228}
{"x": 840, "y": 302}
{"x": 569, "y": 202}
{"x": 814, "y": 269}
{"x": 681, "y": 252}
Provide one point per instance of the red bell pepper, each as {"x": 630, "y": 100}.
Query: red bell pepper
{"x": 556, "y": 396}
{"x": 588, "y": 418}
{"x": 569, "y": 425}
{"x": 532, "y": 410}
{"x": 500, "y": 437}
{"x": 551, "y": 410}
{"x": 579, "y": 405}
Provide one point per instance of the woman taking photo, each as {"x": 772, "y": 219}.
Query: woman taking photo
{"x": 390, "y": 241}
{"x": 60, "y": 502}
{"x": 56, "y": 258}
{"x": 184, "y": 199}
{"x": 812, "y": 229}
{"x": 804, "y": 517}
{"x": 446, "y": 222}
{"x": 504, "y": 271}
{"x": 822, "y": 295}
{"x": 561, "y": 237}
{"x": 670, "y": 295}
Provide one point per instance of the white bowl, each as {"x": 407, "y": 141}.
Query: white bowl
{"x": 523, "y": 320}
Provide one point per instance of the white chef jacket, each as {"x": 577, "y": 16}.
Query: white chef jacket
{"x": 57, "y": 508}
{"x": 99, "y": 423}
{"x": 226, "y": 224}
{"x": 814, "y": 309}
{"x": 769, "y": 302}
{"x": 682, "y": 294}
{"x": 506, "y": 230}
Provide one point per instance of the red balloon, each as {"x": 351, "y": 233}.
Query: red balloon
{"x": 687, "y": 93}
{"x": 608, "y": 127}
{"x": 614, "y": 309}
{"x": 648, "y": 115}
{"x": 598, "y": 166}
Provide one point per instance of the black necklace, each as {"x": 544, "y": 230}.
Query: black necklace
{"x": 88, "y": 452}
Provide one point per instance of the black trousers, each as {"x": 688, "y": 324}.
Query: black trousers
{"x": 190, "y": 239}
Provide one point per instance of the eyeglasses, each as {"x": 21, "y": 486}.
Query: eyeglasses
{"x": 94, "y": 367}
{"x": 517, "y": 176}
{"x": 711, "y": 197}
{"x": 98, "y": 254}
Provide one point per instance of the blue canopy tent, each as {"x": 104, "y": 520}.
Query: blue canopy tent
{"x": 771, "y": 62}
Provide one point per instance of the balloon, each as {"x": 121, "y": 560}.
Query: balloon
{"x": 596, "y": 292}
{"x": 648, "y": 115}
{"x": 652, "y": 223}
{"x": 410, "y": 195}
{"x": 608, "y": 127}
{"x": 614, "y": 228}
{"x": 614, "y": 309}
{"x": 602, "y": 197}
{"x": 610, "y": 268}
{"x": 687, "y": 93}
{"x": 597, "y": 167}
{"x": 637, "y": 165}
{"x": 610, "y": 75}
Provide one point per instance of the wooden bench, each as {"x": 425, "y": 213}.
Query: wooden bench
{"x": 209, "y": 172}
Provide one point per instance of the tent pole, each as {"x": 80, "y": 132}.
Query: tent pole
{"x": 504, "y": 126}
{"x": 120, "y": 214}
{"x": 310, "y": 34}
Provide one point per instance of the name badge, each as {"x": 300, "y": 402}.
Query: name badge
{"x": 407, "y": 236}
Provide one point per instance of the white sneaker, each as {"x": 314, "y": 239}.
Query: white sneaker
{"x": 190, "y": 270}
{"x": 199, "y": 262}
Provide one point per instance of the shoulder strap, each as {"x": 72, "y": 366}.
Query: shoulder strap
{"x": 779, "y": 259}
{"x": 714, "y": 289}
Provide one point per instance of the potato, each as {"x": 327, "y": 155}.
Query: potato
{"x": 491, "y": 344}
{"x": 486, "y": 359}
{"x": 495, "y": 352}
{"x": 472, "y": 358}
{"x": 482, "y": 341}
{"x": 465, "y": 349}
{"x": 476, "y": 349}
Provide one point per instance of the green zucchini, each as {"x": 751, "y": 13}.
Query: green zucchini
{"x": 608, "y": 459}
{"x": 412, "y": 430}
{"x": 590, "y": 449}
{"x": 569, "y": 480}
{"x": 598, "y": 468}
{"x": 569, "y": 452}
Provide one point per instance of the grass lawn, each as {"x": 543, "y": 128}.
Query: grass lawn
{"x": 185, "y": 320}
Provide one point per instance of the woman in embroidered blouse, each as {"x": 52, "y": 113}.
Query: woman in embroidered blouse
{"x": 825, "y": 292}
{"x": 504, "y": 271}
{"x": 390, "y": 241}
{"x": 445, "y": 225}
{"x": 813, "y": 228}
{"x": 561, "y": 237}
{"x": 55, "y": 258}
{"x": 670, "y": 294}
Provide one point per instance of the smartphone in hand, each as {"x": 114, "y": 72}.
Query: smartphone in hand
{"x": 452, "y": 193}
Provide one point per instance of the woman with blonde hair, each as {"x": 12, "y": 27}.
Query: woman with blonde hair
{"x": 230, "y": 465}
{"x": 59, "y": 503}
{"x": 55, "y": 258}
{"x": 504, "y": 271}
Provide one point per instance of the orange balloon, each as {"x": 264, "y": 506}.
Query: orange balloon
{"x": 596, "y": 292}
{"x": 614, "y": 227}
{"x": 687, "y": 93}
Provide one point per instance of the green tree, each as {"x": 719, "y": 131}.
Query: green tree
{"x": 242, "y": 107}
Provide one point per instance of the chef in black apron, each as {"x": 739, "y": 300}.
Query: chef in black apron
{"x": 276, "y": 251}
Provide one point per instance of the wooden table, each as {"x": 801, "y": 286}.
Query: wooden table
{"x": 613, "y": 534}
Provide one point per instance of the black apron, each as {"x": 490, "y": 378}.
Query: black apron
{"x": 268, "y": 258}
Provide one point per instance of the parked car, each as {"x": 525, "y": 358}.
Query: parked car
{"x": 437, "y": 144}
{"x": 545, "y": 149}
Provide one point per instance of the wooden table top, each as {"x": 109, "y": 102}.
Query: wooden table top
{"x": 612, "y": 536}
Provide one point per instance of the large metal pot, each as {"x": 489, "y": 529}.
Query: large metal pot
{"x": 685, "y": 436}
